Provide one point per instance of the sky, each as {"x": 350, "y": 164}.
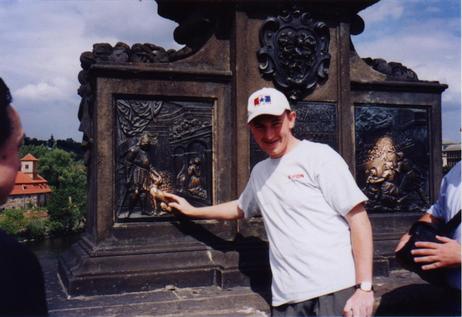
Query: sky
{"x": 42, "y": 41}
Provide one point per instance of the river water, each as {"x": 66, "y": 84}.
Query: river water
{"x": 52, "y": 246}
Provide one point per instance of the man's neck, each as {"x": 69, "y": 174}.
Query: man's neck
{"x": 293, "y": 142}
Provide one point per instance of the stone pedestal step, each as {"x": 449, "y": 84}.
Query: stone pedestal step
{"x": 170, "y": 301}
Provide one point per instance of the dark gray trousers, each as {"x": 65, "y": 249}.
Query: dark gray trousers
{"x": 326, "y": 305}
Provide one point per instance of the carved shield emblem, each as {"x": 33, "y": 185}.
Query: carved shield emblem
{"x": 294, "y": 52}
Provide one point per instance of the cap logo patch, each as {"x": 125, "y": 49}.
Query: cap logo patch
{"x": 262, "y": 100}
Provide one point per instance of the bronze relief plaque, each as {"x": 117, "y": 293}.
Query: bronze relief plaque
{"x": 393, "y": 157}
{"x": 162, "y": 146}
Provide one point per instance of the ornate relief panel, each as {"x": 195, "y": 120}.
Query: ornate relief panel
{"x": 294, "y": 52}
{"x": 161, "y": 146}
{"x": 393, "y": 157}
{"x": 315, "y": 122}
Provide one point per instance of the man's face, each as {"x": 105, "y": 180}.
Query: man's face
{"x": 9, "y": 160}
{"x": 273, "y": 133}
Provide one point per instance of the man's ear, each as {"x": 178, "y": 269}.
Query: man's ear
{"x": 292, "y": 116}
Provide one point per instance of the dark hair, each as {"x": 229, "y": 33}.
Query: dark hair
{"x": 5, "y": 120}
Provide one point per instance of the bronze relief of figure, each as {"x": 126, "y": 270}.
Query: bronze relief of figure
{"x": 373, "y": 184}
{"x": 410, "y": 184}
{"x": 194, "y": 174}
{"x": 138, "y": 172}
{"x": 393, "y": 182}
{"x": 145, "y": 185}
{"x": 380, "y": 184}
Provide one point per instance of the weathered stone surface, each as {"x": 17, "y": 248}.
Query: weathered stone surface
{"x": 393, "y": 70}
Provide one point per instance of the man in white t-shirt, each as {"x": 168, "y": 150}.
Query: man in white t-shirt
{"x": 319, "y": 234}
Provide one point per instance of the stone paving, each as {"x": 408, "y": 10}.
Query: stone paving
{"x": 398, "y": 294}
{"x": 169, "y": 301}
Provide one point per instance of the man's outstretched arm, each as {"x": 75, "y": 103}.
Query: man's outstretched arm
{"x": 225, "y": 211}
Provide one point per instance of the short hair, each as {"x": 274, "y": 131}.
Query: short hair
{"x": 5, "y": 120}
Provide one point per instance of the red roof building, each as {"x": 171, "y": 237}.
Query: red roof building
{"x": 30, "y": 189}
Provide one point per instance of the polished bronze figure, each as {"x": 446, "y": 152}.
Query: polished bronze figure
{"x": 140, "y": 175}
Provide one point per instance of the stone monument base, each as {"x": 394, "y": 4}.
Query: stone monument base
{"x": 143, "y": 264}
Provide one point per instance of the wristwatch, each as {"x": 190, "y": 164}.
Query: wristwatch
{"x": 365, "y": 286}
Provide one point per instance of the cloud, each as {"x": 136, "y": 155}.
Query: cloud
{"x": 132, "y": 23}
{"x": 41, "y": 91}
{"x": 41, "y": 46}
{"x": 433, "y": 9}
{"x": 433, "y": 56}
{"x": 59, "y": 89}
{"x": 384, "y": 11}
{"x": 425, "y": 37}
{"x": 44, "y": 118}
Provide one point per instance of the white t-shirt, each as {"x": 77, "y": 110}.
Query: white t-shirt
{"x": 303, "y": 198}
{"x": 446, "y": 207}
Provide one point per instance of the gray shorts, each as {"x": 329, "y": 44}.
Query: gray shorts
{"x": 326, "y": 305}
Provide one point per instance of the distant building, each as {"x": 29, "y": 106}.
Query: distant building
{"x": 30, "y": 189}
{"x": 451, "y": 154}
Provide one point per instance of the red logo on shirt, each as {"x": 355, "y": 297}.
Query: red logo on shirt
{"x": 296, "y": 176}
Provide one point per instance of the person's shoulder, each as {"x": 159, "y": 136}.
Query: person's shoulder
{"x": 454, "y": 173}
{"x": 319, "y": 149}
{"x": 322, "y": 156}
{"x": 260, "y": 166}
{"x": 456, "y": 169}
{"x": 264, "y": 168}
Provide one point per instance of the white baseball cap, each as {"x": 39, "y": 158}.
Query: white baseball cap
{"x": 266, "y": 101}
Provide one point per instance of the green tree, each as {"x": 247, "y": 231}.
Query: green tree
{"x": 53, "y": 164}
{"x": 13, "y": 221}
{"x": 36, "y": 228}
{"x": 35, "y": 150}
{"x": 67, "y": 205}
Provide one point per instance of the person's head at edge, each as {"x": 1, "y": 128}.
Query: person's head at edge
{"x": 11, "y": 135}
{"x": 271, "y": 121}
